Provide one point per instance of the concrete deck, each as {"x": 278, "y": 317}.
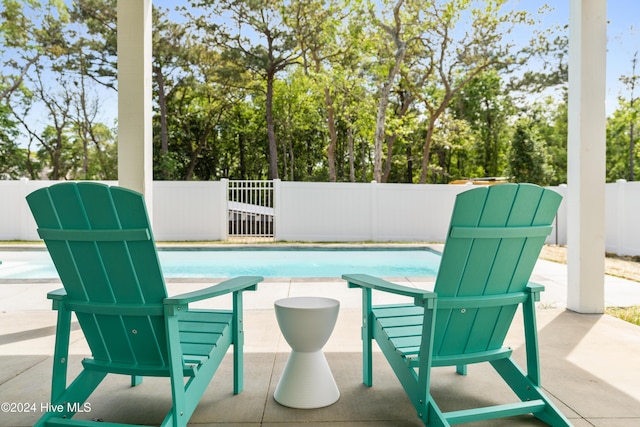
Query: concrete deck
{"x": 589, "y": 364}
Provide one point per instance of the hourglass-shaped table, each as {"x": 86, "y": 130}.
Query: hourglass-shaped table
{"x": 306, "y": 324}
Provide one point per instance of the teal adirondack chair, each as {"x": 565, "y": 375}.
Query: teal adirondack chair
{"x": 495, "y": 237}
{"x": 101, "y": 243}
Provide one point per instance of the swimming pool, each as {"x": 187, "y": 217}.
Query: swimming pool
{"x": 220, "y": 263}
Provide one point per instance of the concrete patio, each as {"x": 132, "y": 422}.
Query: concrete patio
{"x": 589, "y": 364}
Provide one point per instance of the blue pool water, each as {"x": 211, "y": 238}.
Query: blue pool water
{"x": 268, "y": 263}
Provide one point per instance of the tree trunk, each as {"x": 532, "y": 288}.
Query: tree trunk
{"x": 352, "y": 154}
{"x": 389, "y": 160}
{"x": 333, "y": 135}
{"x": 271, "y": 134}
{"x": 241, "y": 155}
{"x": 409, "y": 178}
{"x": 383, "y": 104}
{"x": 162, "y": 104}
{"x": 426, "y": 151}
{"x": 407, "y": 100}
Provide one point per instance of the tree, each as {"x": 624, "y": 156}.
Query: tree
{"x": 12, "y": 158}
{"x": 527, "y": 156}
{"x": 402, "y": 126}
{"x": 631, "y": 82}
{"x": 96, "y": 139}
{"x": 548, "y": 118}
{"x": 28, "y": 31}
{"x": 462, "y": 42}
{"x": 173, "y": 51}
{"x": 325, "y": 44}
{"x": 54, "y": 104}
{"x": 486, "y": 106}
{"x": 54, "y": 139}
{"x": 98, "y": 38}
{"x": 618, "y": 141}
{"x": 270, "y": 50}
{"x": 400, "y": 31}
{"x": 300, "y": 128}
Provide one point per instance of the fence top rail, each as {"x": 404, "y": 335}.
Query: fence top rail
{"x": 251, "y": 181}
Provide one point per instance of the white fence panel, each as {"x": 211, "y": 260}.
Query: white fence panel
{"x": 343, "y": 212}
{"x": 14, "y": 212}
{"x": 321, "y": 212}
{"x": 408, "y": 212}
{"x": 189, "y": 210}
{"x": 182, "y": 210}
{"x": 16, "y": 221}
{"x": 622, "y": 218}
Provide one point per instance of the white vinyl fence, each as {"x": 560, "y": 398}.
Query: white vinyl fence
{"x": 325, "y": 212}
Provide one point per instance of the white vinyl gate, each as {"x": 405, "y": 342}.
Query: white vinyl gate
{"x": 251, "y": 210}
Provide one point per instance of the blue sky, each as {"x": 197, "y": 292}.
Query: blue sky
{"x": 623, "y": 39}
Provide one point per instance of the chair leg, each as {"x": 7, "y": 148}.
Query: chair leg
{"x": 238, "y": 343}
{"x": 177, "y": 415}
{"x": 461, "y": 369}
{"x": 433, "y": 417}
{"x": 136, "y": 380}
{"x": 185, "y": 397}
{"x": 367, "y": 337}
{"x": 61, "y": 353}
{"x": 74, "y": 396}
{"x": 528, "y": 390}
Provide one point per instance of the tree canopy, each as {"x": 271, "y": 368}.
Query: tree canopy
{"x": 418, "y": 91}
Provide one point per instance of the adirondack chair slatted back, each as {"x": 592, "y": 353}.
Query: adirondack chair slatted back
{"x": 102, "y": 246}
{"x": 495, "y": 237}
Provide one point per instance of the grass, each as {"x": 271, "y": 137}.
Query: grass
{"x": 20, "y": 242}
{"x": 629, "y": 314}
{"x": 627, "y": 267}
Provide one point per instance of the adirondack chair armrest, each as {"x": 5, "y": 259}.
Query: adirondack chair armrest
{"x": 242, "y": 283}
{"x": 535, "y": 289}
{"x": 58, "y": 296}
{"x": 420, "y": 296}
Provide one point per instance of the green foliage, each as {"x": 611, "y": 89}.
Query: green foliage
{"x": 485, "y": 105}
{"x": 619, "y": 135}
{"x": 552, "y": 123}
{"x": 13, "y": 160}
{"x": 528, "y": 161}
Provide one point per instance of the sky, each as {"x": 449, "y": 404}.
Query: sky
{"x": 623, "y": 40}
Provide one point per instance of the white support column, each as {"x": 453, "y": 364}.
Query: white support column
{"x": 135, "y": 154}
{"x": 587, "y": 150}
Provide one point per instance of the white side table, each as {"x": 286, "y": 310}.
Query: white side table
{"x": 306, "y": 323}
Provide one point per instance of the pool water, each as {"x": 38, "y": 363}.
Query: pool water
{"x": 268, "y": 263}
